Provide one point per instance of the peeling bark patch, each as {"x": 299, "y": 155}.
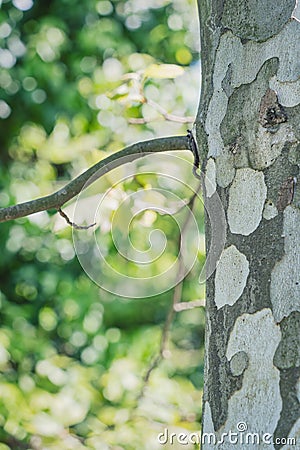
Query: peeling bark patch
{"x": 271, "y": 113}
{"x": 210, "y": 177}
{"x": 258, "y": 336}
{"x": 248, "y": 130}
{"x": 261, "y": 20}
{"x": 253, "y": 341}
{"x": 245, "y": 62}
{"x": 287, "y": 360}
{"x": 288, "y": 93}
{"x": 225, "y": 168}
{"x": 247, "y": 196}
{"x": 231, "y": 276}
{"x": 285, "y": 277}
{"x": 208, "y": 422}
{"x": 286, "y": 193}
{"x": 268, "y": 146}
{"x": 208, "y": 425}
{"x": 270, "y": 211}
{"x": 238, "y": 363}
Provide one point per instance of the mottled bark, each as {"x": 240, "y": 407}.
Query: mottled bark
{"x": 248, "y": 127}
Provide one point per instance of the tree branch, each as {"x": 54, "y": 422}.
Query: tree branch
{"x": 59, "y": 198}
{"x": 163, "y": 112}
{"x": 175, "y": 301}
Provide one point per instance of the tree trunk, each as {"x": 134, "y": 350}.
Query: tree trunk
{"x": 248, "y": 128}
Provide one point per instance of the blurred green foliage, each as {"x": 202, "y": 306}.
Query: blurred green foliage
{"x": 73, "y": 77}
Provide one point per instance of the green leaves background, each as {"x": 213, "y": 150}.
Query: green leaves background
{"x": 73, "y": 76}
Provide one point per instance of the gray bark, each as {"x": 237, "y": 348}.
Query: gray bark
{"x": 248, "y": 130}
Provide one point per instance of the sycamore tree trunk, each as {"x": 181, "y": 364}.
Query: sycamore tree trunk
{"x": 248, "y": 129}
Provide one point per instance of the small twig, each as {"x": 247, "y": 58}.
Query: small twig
{"x": 189, "y": 202}
{"x": 183, "y": 306}
{"x": 168, "y": 116}
{"x": 175, "y": 302}
{"x": 164, "y": 338}
{"x": 74, "y": 187}
{"x": 138, "y": 120}
{"x": 163, "y": 112}
{"x": 166, "y": 330}
{"x": 73, "y": 224}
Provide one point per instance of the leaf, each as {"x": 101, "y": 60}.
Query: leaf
{"x": 163, "y": 71}
{"x": 118, "y": 96}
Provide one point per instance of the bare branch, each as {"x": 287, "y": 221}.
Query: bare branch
{"x": 184, "y": 306}
{"x": 163, "y": 112}
{"x": 168, "y": 116}
{"x": 59, "y": 198}
{"x": 175, "y": 301}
